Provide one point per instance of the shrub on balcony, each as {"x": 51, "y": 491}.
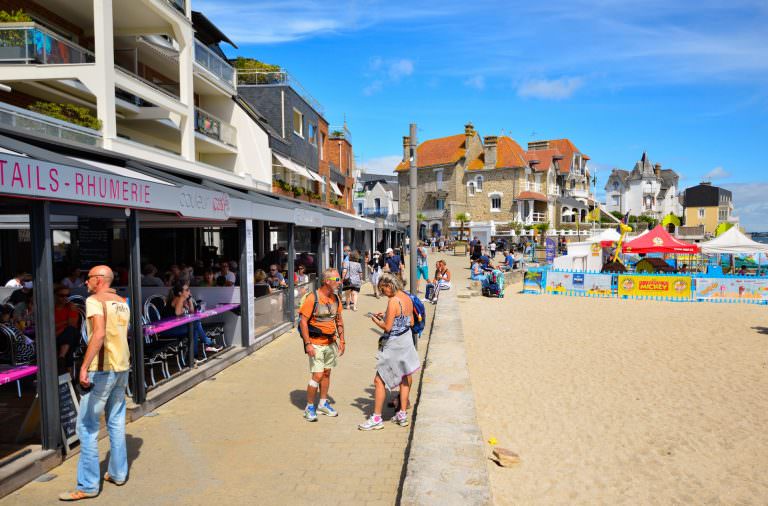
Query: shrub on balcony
{"x": 260, "y": 71}
{"x": 14, "y": 16}
{"x": 283, "y": 185}
{"x": 315, "y": 196}
{"x": 298, "y": 191}
{"x": 71, "y": 113}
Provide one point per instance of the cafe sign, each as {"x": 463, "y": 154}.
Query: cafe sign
{"x": 27, "y": 177}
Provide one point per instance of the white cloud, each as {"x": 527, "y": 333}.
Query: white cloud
{"x": 400, "y": 68}
{"x": 717, "y": 173}
{"x": 477, "y": 82}
{"x": 750, "y": 205}
{"x": 386, "y": 71}
{"x": 382, "y": 164}
{"x": 550, "y": 89}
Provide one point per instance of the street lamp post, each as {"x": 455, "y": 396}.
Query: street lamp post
{"x": 413, "y": 232}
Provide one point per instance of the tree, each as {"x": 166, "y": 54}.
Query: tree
{"x": 462, "y": 218}
{"x": 541, "y": 228}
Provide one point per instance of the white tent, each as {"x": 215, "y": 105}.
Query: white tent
{"x": 733, "y": 241}
{"x": 608, "y": 234}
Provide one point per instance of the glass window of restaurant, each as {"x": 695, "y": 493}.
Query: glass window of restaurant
{"x": 271, "y": 276}
{"x": 32, "y": 360}
{"x": 190, "y": 293}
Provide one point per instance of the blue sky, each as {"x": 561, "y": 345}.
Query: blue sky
{"x": 685, "y": 81}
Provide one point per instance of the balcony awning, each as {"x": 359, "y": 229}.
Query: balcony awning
{"x": 336, "y": 189}
{"x": 314, "y": 175}
{"x": 294, "y": 167}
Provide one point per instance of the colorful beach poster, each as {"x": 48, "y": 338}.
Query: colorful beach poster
{"x": 677, "y": 287}
{"x": 722, "y": 288}
{"x": 593, "y": 283}
{"x": 532, "y": 282}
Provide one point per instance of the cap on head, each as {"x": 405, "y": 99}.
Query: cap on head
{"x": 389, "y": 250}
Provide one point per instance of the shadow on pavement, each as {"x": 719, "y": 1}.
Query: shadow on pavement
{"x": 133, "y": 447}
{"x": 761, "y": 330}
{"x": 364, "y": 404}
{"x": 299, "y": 397}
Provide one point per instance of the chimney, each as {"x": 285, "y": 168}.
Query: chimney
{"x": 406, "y": 148}
{"x": 657, "y": 170}
{"x": 469, "y": 131}
{"x": 490, "y": 151}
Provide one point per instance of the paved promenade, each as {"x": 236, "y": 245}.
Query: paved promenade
{"x": 240, "y": 438}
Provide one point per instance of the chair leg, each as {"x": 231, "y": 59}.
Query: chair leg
{"x": 18, "y": 387}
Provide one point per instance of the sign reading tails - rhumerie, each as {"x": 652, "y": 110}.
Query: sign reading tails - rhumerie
{"x": 27, "y": 177}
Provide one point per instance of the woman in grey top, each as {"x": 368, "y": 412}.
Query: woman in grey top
{"x": 353, "y": 279}
{"x": 397, "y": 359}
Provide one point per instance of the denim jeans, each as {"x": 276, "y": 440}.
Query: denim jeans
{"x": 199, "y": 333}
{"x": 106, "y": 396}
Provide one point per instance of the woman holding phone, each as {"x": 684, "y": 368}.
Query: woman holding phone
{"x": 397, "y": 359}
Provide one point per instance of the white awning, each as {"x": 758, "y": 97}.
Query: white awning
{"x": 336, "y": 189}
{"x": 293, "y": 166}
{"x": 314, "y": 175}
{"x": 122, "y": 171}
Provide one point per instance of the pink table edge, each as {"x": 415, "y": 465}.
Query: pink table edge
{"x": 169, "y": 323}
{"x": 16, "y": 372}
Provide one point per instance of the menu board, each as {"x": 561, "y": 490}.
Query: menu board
{"x": 93, "y": 241}
{"x": 68, "y": 411}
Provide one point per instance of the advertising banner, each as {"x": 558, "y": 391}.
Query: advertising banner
{"x": 592, "y": 283}
{"x": 533, "y": 282}
{"x": 678, "y": 287}
{"x": 721, "y": 288}
{"x": 550, "y": 246}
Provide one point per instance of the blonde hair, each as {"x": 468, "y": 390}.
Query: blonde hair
{"x": 259, "y": 276}
{"x": 390, "y": 280}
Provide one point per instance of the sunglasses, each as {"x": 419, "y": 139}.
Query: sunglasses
{"x": 334, "y": 278}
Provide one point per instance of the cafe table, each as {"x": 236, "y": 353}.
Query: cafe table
{"x": 159, "y": 326}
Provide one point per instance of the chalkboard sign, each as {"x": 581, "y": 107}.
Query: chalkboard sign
{"x": 93, "y": 241}
{"x": 68, "y": 411}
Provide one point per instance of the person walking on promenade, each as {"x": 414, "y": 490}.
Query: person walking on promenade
{"x": 397, "y": 359}
{"x": 422, "y": 266}
{"x": 395, "y": 263}
{"x": 103, "y": 376}
{"x": 322, "y": 330}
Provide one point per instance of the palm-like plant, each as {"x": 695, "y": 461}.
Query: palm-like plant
{"x": 462, "y": 218}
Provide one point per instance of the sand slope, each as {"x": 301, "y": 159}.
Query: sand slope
{"x": 621, "y": 402}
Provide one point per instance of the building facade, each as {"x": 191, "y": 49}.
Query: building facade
{"x": 708, "y": 206}
{"x": 645, "y": 190}
{"x": 496, "y": 183}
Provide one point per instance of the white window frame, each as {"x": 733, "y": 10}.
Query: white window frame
{"x": 439, "y": 179}
{"x": 312, "y": 133}
{"x": 702, "y": 212}
{"x": 300, "y": 133}
{"x": 494, "y": 195}
{"x": 471, "y": 188}
{"x": 479, "y": 183}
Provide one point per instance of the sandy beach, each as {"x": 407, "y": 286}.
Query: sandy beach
{"x": 620, "y": 402}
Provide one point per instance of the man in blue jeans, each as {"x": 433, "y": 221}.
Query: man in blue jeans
{"x": 103, "y": 377}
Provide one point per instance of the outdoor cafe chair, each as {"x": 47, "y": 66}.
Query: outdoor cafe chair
{"x": 8, "y": 351}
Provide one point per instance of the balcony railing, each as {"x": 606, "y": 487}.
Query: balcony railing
{"x": 553, "y": 189}
{"x": 373, "y": 212}
{"x": 340, "y": 132}
{"x": 532, "y": 187}
{"x": 578, "y": 192}
{"x": 211, "y": 126}
{"x": 432, "y": 214}
{"x": 278, "y": 78}
{"x": 214, "y": 64}
{"x": 22, "y": 120}
{"x": 32, "y": 44}
{"x": 536, "y": 218}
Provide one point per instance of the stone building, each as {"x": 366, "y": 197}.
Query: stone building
{"x": 496, "y": 183}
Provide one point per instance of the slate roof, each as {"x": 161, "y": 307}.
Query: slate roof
{"x": 531, "y": 196}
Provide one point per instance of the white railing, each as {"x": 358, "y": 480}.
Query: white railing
{"x": 532, "y": 187}
{"x": 277, "y": 78}
{"x": 22, "y": 120}
{"x": 553, "y": 189}
{"x": 214, "y": 64}
{"x": 29, "y": 42}
{"x": 211, "y": 126}
{"x": 578, "y": 193}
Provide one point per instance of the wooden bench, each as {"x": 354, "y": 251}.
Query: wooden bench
{"x": 9, "y": 373}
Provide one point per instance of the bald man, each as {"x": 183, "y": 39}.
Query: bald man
{"x": 103, "y": 377}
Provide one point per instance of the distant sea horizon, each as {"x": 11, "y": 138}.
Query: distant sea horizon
{"x": 760, "y": 237}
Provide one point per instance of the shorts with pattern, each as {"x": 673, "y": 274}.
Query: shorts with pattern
{"x": 325, "y": 357}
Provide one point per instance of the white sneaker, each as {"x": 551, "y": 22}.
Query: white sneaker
{"x": 372, "y": 424}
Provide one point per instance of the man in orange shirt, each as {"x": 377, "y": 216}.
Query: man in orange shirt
{"x": 322, "y": 330}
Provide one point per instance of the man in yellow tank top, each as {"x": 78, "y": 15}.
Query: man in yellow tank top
{"x": 103, "y": 376}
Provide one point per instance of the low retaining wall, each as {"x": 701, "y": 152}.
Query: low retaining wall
{"x": 446, "y": 459}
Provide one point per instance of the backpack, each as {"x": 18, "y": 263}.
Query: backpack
{"x": 314, "y": 308}
{"x": 419, "y": 314}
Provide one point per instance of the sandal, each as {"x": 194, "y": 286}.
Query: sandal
{"x": 110, "y": 479}
{"x": 76, "y": 495}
